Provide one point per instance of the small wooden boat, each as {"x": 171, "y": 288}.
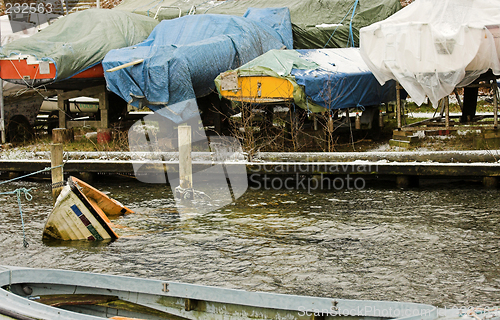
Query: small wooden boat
{"x": 59, "y": 294}
{"x": 81, "y": 213}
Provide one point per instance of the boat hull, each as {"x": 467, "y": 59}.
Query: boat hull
{"x": 30, "y": 71}
{"x": 105, "y": 296}
{"x": 81, "y": 213}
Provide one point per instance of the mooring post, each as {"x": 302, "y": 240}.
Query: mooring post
{"x": 490, "y": 182}
{"x": 407, "y": 181}
{"x": 185, "y": 167}
{"x": 56, "y": 160}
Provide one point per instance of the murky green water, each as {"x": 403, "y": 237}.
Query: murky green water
{"x": 438, "y": 244}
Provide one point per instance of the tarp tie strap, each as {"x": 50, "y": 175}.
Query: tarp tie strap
{"x": 351, "y": 35}
{"x": 340, "y": 23}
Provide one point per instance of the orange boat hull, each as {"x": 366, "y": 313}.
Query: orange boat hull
{"x": 16, "y": 70}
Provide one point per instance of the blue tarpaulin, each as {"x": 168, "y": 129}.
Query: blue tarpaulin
{"x": 183, "y": 56}
{"x": 342, "y": 80}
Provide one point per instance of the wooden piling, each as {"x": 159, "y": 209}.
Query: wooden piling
{"x": 403, "y": 181}
{"x": 490, "y": 182}
{"x": 56, "y": 159}
{"x": 185, "y": 165}
{"x": 62, "y": 135}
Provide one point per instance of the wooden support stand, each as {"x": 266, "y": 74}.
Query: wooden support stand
{"x": 468, "y": 111}
{"x": 99, "y": 91}
{"x": 402, "y": 139}
{"x": 488, "y": 139}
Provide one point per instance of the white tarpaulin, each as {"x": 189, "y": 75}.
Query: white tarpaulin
{"x": 433, "y": 46}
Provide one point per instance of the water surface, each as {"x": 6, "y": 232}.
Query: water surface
{"x": 438, "y": 244}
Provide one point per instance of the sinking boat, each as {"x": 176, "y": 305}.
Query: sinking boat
{"x": 82, "y": 212}
{"x": 72, "y": 48}
{"x": 431, "y": 46}
{"x": 59, "y": 294}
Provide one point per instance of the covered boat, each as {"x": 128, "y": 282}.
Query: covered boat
{"x": 316, "y": 80}
{"x": 181, "y": 58}
{"x": 433, "y": 46}
{"x": 81, "y": 213}
{"x": 315, "y": 23}
{"x": 72, "y": 47}
{"x": 59, "y": 294}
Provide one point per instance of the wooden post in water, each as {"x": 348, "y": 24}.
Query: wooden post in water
{"x": 185, "y": 167}
{"x": 56, "y": 159}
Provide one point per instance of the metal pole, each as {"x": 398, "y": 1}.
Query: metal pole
{"x": 185, "y": 167}
{"x": 2, "y": 112}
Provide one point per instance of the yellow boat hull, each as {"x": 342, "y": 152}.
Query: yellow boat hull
{"x": 255, "y": 89}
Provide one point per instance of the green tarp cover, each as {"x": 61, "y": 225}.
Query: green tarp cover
{"x": 313, "y": 21}
{"x": 81, "y": 40}
{"x": 279, "y": 64}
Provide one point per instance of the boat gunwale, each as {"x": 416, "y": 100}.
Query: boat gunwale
{"x": 291, "y": 303}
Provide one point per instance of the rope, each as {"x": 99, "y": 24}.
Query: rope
{"x": 351, "y": 36}
{"x": 333, "y": 33}
{"x": 33, "y": 173}
{"x": 27, "y": 194}
{"x": 28, "y": 197}
{"x": 26, "y": 83}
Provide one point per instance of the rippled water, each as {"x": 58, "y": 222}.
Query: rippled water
{"x": 438, "y": 244}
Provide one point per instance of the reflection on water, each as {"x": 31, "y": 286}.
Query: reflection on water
{"x": 436, "y": 245}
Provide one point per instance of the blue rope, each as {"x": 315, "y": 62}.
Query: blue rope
{"x": 333, "y": 33}
{"x": 28, "y": 197}
{"x": 31, "y": 174}
{"x": 351, "y": 36}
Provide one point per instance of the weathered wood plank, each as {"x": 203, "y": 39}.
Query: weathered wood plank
{"x": 59, "y": 300}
